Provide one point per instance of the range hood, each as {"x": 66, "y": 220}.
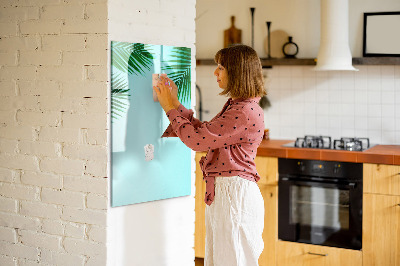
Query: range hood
{"x": 334, "y": 51}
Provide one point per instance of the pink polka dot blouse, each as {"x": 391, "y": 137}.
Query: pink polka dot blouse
{"x": 231, "y": 139}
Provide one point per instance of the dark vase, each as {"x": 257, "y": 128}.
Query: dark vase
{"x": 290, "y": 49}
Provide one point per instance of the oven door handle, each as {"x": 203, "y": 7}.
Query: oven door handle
{"x": 330, "y": 184}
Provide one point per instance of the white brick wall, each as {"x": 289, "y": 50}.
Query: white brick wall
{"x": 53, "y": 128}
{"x": 53, "y": 147}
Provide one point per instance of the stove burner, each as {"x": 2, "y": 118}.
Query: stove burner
{"x": 308, "y": 141}
{"x": 324, "y": 142}
{"x": 351, "y": 144}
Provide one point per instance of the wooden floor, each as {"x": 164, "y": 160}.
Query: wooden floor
{"x": 199, "y": 262}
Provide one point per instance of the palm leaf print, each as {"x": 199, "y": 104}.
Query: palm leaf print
{"x": 179, "y": 70}
{"x": 131, "y": 58}
{"x": 119, "y": 96}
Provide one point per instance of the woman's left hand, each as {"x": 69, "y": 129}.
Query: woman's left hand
{"x": 163, "y": 90}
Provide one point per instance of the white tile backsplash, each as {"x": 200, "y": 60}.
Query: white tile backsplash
{"x": 374, "y": 110}
{"x": 361, "y": 125}
{"x": 374, "y": 97}
{"x": 322, "y": 95}
{"x": 397, "y": 72}
{"x": 388, "y": 110}
{"x": 348, "y": 123}
{"x": 388, "y": 83}
{"x": 374, "y": 83}
{"x": 322, "y": 108}
{"x": 387, "y": 124}
{"x": 322, "y": 121}
{"x": 397, "y": 110}
{"x": 310, "y": 109}
{"x": 388, "y": 97}
{"x": 364, "y": 103}
{"x": 397, "y": 95}
{"x": 361, "y": 110}
{"x": 397, "y": 123}
{"x": 375, "y": 136}
{"x": 347, "y": 110}
{"x": 374, "y": 123}
{"x": 348, "y": 96}
{"x": 387, "y": 72}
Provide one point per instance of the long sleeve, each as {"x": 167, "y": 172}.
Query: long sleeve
{"x": 222, "y": 131}
{"x": 188, "y": 114}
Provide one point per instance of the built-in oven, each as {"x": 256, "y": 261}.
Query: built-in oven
{"x": 320, "y": 202}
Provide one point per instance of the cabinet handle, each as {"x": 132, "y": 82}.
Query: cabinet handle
{"x": 398, "y": 204}
{"x": 318, "y": 254}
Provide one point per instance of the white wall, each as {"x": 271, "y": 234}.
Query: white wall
{"x": 160, "y": 232}
{"x": 337, "y": 104}
{"x": 53, "y": 114}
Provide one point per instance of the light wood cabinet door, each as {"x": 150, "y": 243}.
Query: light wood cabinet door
{"x": 381, "y": 179}
{"x": 200, "y": 207}
{"x": 298, "y": 254}
{"x": 267, "y": 168}
{"x": 381, "y": 230}
{"x": 270, "y": 233}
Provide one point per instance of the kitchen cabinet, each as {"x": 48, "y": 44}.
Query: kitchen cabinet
{"x": 270, "y": 233}
{"x": 381, "y": 215}
{"x": 381, "y": 230}
{"x": 267, "y": 168}
{"x": 381, "y": 179}
{"x": 200, "y": 207}
{"x": 298, "y": 254}
{"x": 381, "y": 221}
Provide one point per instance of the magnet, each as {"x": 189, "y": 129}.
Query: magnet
{"x": 149, "y": 152}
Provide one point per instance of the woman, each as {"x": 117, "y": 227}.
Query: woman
{"x": 235, "y": 207}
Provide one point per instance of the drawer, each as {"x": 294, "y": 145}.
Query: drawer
{"x": 293, "y": 254}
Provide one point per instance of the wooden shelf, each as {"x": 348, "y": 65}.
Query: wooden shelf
{"x": 312, "y": 61}
{"x": 268, "y": 62}
{"x": 376, "y": 61}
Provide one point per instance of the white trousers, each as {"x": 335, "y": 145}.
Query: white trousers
{"x": 234, "y": 223}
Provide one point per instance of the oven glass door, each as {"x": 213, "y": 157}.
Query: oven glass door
{"x": 317, "y": 207}
{"x": 322, "y": 213}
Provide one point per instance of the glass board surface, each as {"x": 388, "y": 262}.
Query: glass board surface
{"x": 144, "y": 166}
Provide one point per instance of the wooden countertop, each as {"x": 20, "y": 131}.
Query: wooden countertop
{"x": 379, "y": 154}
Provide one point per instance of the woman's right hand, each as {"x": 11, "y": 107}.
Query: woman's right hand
{"x": 174, "y": 90}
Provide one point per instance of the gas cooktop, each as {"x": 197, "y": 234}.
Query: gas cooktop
{"x": 325, "y": 142}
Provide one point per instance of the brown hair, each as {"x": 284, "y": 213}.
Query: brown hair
{"x": 245, "y": 78}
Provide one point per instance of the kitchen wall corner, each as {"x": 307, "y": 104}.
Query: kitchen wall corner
{"x": 336, "y": 103}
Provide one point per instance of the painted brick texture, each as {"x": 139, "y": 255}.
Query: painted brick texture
{"x": 53, "y": 132}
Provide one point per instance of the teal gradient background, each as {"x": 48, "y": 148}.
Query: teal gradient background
{"x": 133, "y": 179}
